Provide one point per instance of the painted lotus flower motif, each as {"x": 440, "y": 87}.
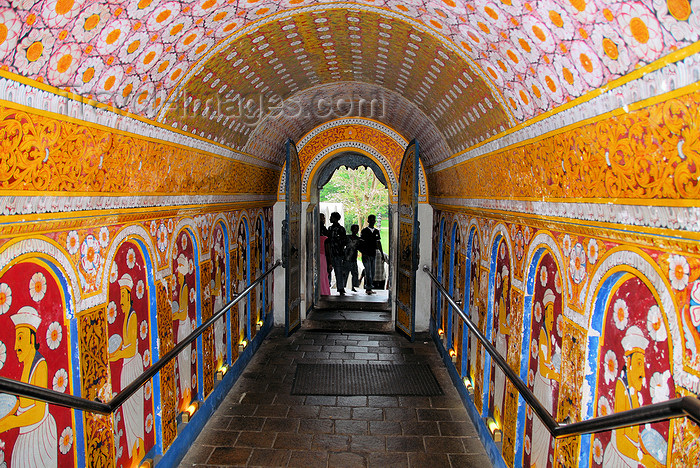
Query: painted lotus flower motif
{"x": 577, "y": 264}
{"x": 60, "y": 380}
{"x": 557, "y": 282}
{"x": 592, "y": 251}
{"x": 533, "y": 348}
{"x": 111, "y": 312}
{"x": 538, "y": 312}
{"x": 140, "y": 289}
{"x": 3, "y": 354}
{"x": 146, "y": 358}
{"x": 104, "y": 237}
{"x": 560, "y": 325}
{"x": 658, "y": 386}
{"x": 37, "y": 286}
{"x": 193, "y": 294}
{"x": 190, "y": 266}
{"x": 90, "y": 259}
{"x": 171, "y": 225}
{"x": 149, "y": 423}
{"x": 184, "y": 242}
{"x": 610, "y": 366}
{"x": 113, "y": 273}
{"x": 678, "y": 272}
{"x": 604, "y": 407}
{"x": 72, "y": 242}
{"x": 194, "y": 380}
{"x": 566, "y": 245}
{"x": 620, "y": 314}
{"x": 543, "y": 277}
{"x": 131, "y": 258}
{"x": 153, "y": 228}
{"x": 655, "y": 324}
{"x": 162, "y": 240}
{"x": 147, "y": 390}
{"x": 597, "y": 450}
{"x": 143, "y": 330}
{"x": 519, "y": 245}
{"x": 527, "y": 445}
{"x": 54, "y": 335}
{"x": 66, "y": 440}
{"x": 5, "y": 298}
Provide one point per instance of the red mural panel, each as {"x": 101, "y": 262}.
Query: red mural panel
{"x": 474, "y": 311}
{"x": 33, "y": 324}
{"x": 634, "y": 371}
{"x": 546, "y": 326}
{"x": 218, "y": 292}
{"x": 500, "y": 334}
{"x": 184, "y": 317}
{"x": 242, "y": 278}
{"x": 129, "y": 330}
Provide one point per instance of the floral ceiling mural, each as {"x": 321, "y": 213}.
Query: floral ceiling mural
{"x": 473, "y": 69}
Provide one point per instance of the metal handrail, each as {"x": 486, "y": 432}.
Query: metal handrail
{"x": 61, "y": 399}
{"x": 679, "y": 407}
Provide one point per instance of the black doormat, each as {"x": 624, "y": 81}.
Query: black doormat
{"x": 365, "y": 379}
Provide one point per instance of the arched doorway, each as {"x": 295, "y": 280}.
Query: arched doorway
{"x": 321, "y": 176}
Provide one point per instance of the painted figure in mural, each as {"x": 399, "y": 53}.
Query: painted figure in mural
{"x": 132, "y": 367}
{"x": 37, "y": 442}
{"x": 242, "y": 277}
{"x": 502, "y": 344}
{"x": 626, "y": 448}
{"x": 218, "y": 292}
{"x": 184, "y": 328}
{"x": 548, "y": 366}
{"x": 474, "y": 314}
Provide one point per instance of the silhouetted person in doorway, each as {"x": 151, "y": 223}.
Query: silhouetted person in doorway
{"x": 338, "y": 239}
{"x": 351, "y": 249}
{"x": 371, "y": 241}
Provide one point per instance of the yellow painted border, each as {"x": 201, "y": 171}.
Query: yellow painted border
{"x": 672, "y": 57}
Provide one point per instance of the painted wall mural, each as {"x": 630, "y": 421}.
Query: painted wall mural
{"x": 242, "y": 277}
{"x": 595, "y": 160}
{"x": 501, "y": 323}
{"x": 219, "y": 291}
{"x": 634, "y": 370}
{"x": 145, "y": 267}
{"x": 35, "y": 348}
{"x": 606, "y": 326}
{"x": 129, "y": 331}
{"x": 544, "y": 358}
{"x": 185, "y": 298}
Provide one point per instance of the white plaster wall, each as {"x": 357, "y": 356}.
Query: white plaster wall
{"x": 423, "y": 282}
{"x": 278, "y": 214}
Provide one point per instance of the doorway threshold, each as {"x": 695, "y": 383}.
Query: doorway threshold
{"x": 369, "y": 321}
{"x": 379, "y": 301}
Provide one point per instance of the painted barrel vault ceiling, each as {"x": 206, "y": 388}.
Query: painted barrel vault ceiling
{"x": 451, "y": 73}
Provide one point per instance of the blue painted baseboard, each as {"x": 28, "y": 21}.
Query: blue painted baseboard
{"x": 182, "y": 443}
{"x": 484, "y": 435}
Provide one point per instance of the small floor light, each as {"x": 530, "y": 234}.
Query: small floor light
{"x": 242, "y": 345}
{"x": 259, "y": 325}
{"x": 189, "y": 412}
{"x": 453, "y": 355}
{"x": 146, "y": 463}
{"x": 221, "y": 372}
{"x": 469, "y": 386}
{"x": 494, "y": 429}
{"x": 441, "y": 333}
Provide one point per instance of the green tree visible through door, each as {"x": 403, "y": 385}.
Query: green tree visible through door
{"x": 361, "y": 194}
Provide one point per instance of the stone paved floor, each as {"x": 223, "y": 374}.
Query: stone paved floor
{"x": 261, "y": 424}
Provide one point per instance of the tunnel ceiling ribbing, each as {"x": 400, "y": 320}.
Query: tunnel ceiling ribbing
{"x": 442, "y": 62}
